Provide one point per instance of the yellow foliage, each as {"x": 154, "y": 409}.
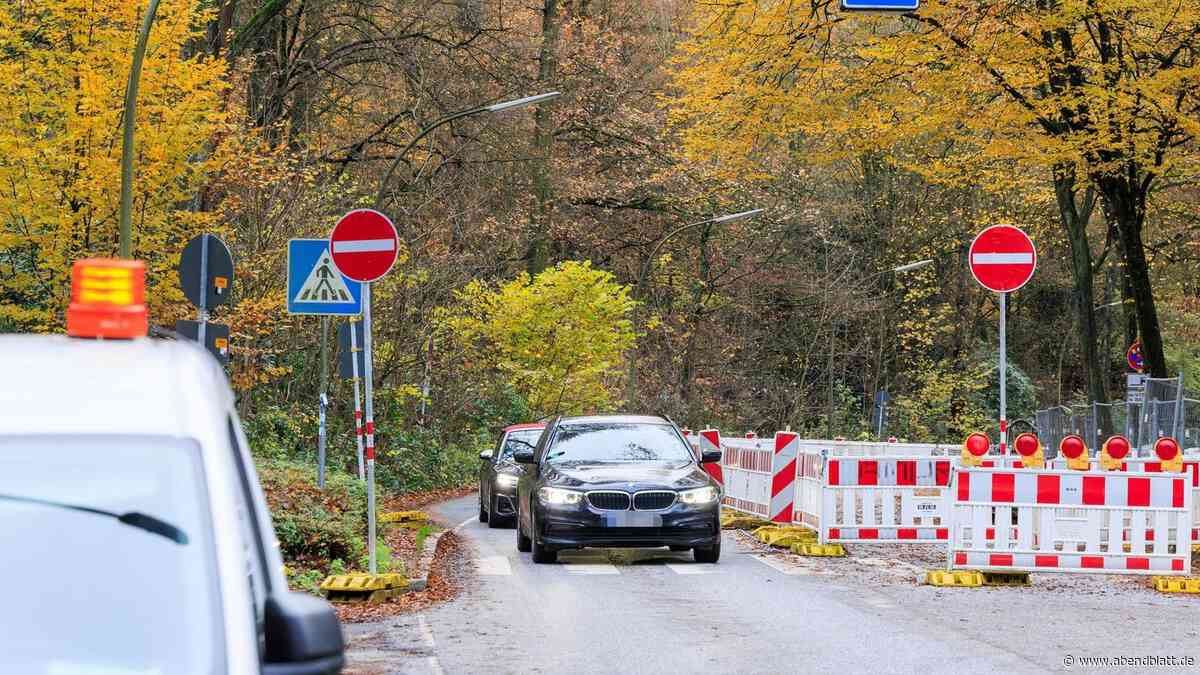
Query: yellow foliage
{"x": 63, "y": 70}
{"x": 557, "y": 338}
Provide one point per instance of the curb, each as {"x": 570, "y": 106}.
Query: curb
{"x": 420, "y": 581}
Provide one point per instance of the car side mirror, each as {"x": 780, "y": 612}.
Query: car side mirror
{"x": 486, "y": 454}
{"x": 524, "y": 456}
{"x": 303, "y": 635}
{"x": 710, "y": 456}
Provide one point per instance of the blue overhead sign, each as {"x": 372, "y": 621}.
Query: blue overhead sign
{"x": 314, "y": 284}
{"x": 880, "y": 5}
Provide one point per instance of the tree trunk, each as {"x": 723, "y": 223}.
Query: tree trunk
{"x": 687, "y": 372}
{"x": 538, "y": 257}
{"x": 1074, "y": 220}
{"x": 1125, "y": 205}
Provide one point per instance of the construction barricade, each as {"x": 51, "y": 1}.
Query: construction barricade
{"x": 1034, "y": 520}
{"x": 875, "y": 500}
{"x": 875, "y": 449}
{"x": 746, "y": 474}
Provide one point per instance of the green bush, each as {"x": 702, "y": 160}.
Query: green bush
{"x": 313, "y": 524}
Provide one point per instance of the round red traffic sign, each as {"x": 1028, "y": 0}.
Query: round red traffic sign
{"x": 364, "y": 245}
{"x": 1002, "y": 258}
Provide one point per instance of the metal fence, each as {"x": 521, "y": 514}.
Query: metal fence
{"x": 1167, "y": 409}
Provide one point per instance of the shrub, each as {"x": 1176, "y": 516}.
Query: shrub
{"x": 313, "y": 524}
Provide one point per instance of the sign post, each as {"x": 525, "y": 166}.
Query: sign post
{"x": 206, "y": 277}
{"x": 314, "y": 286}
{"x": 350, "y": 366}
{"x": 1002, "y": 260}
{"x": 364, "y": 246}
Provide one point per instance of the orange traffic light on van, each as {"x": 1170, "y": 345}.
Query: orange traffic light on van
{"x": 108, "y": 299}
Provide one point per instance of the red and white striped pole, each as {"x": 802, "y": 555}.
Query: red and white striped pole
{"x": 368, "y": 387}
{"x": 358, "y": 424}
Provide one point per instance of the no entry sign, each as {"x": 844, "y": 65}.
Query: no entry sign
{"x": 363, "y": 245}
{"x": 1002, "y": 258}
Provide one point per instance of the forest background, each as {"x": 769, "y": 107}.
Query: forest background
{"x": 556, "y": 258}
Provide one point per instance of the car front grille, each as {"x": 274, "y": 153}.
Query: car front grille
{"x": 609, "y": 500}
{"x": 655, "y": 500}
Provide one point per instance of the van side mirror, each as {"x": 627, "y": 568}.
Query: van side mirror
{"x": 303, "y": 635}
{"x": 524, "y": 456}
{"x": 710, "y": 457}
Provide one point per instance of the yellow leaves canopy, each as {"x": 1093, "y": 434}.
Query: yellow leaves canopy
{"x": 557, "y": 338}
{"x": 63, "y": 70}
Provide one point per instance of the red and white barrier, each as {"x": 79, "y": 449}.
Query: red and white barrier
{"x": 842, "y": 448}
{"x": 1070, "y": 521}
{"x": 1191, "y": 469}
{"x": 878, "y": 499}
{"x": 783, "y": 476}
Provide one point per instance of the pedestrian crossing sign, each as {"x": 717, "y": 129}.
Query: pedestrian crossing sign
{"x": 314, "y": 284}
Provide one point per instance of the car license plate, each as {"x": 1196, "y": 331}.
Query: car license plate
{"x": 632, "y": 519}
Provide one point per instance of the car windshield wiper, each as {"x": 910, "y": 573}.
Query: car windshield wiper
{"x": 559, "y": 453}
{"x": 135, "y": 518}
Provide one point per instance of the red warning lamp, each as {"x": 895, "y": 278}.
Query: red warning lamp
{"x": 1166, "y": 448}
{"x": 108, "y": 299}
{"x": 1074, "y": 449}
{"x": 1168, "y": 451}
{"x": 1026, "y": 444}
{"x": 975, "y": 446}
{"x": 1113, "y": 452}
{"x": 1030, "y": 449}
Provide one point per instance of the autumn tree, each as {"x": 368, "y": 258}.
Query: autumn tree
{"x": 63, "y": 66}
{"x": 967, "y": 92}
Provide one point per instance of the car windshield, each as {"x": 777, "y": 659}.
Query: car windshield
{"x": 617, "y": 442}
{"x": 521, "y": 439}
{"x": 108, "y": 555}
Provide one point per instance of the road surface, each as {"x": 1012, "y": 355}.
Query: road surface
{"x": 653, "y": 611}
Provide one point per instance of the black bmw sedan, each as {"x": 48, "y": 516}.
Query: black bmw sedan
{"x": 625, "y": 481}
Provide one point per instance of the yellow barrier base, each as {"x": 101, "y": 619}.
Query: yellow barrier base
{"x": 1006, "y": 578}
{"x": 740, "y": 521}
{"x": 819, "y": 550}
{"x": 404, "y": 517}
{"x": 963, "y": 579}
{"x": 1177, "y": 584}
{"x": 363, "y": 587}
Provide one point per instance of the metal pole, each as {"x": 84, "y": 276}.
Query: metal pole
{"x": 370, "y": 451}
{"x": 1003, "y": 377}
{"x": 1177, "y": 423}
{"x": 202, "y": 318}
{"x": 131, "y": 92}
{"x": 832, "y": 340}
{"x": 324, "y": 399}
{"x": 358, "y": 423}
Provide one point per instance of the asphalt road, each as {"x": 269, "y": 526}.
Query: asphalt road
{"x": 653, "y": 611}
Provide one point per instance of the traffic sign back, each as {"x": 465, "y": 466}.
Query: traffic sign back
{"x": 1002, "y": 258}
{"x": 364, "y": 245}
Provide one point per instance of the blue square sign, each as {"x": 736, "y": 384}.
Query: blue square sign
{"x": 314, "y": 284}
{"x": 880, "y": 5}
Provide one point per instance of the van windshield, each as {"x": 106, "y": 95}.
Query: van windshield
{"x": 109, "y": 539}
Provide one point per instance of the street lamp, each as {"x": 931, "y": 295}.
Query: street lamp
{"x": 131, "y": 92}
{"x": 647, "y": 267}
{"x": 907, "y": 267}
{"x": 495, "y": 107}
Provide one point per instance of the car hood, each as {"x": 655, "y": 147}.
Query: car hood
{"x": 625, "y": 476}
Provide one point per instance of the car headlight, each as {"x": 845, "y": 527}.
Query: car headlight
{"x": 704, "y": 495}
{"x": 506, "y": 480}
{"x": 559, "y": 496}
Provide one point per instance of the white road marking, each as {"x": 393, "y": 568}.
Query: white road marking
{"x": 462, "y": 525}
{"x": 695, "y": 568}
{"x": 494, "y": 565}
{"x": 426, "y": 633}
{"x": 364, "y": 245}
{"x": 435, "y": 666}
{"x": 1002, "y": 259}
{"x": 879, "y": 602}
{"x": 591, "y": 568}
{"x": 790, "y": 568}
